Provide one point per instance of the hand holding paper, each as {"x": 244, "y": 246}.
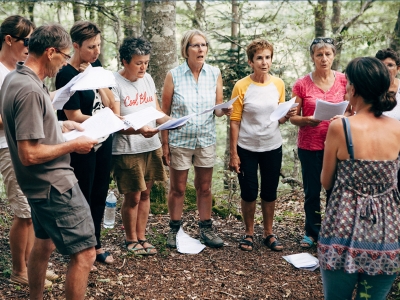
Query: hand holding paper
{"x": 283, "y": 109}
{"x": 221, "y": 106}
{"x": 325, "y": 110}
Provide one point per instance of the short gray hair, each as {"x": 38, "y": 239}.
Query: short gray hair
{"x": 133, "y": 46}
{"x": 186, "y": 40}
{"x": 321, "y": 44}
{"x": 46, "y": 36}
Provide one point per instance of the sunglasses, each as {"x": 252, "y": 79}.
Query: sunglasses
{"x": 26, "y": 40}
{"x": 319, "y": 40}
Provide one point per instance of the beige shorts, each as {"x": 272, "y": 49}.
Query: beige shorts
{"x": 184, "y": 158}
{"x": 132, "y": 171}
{"x": 18, "y": 202}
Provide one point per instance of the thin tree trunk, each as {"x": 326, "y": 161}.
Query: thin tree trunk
{"x": 335, "y": 22}
{"x": 76, "y": 10}
{"x": 320, "y": 16}
{"x": 129, "y": 17}
{"x": 395, "y": 40}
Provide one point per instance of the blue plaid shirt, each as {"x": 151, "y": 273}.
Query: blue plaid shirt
{"x": 194, "y": 97}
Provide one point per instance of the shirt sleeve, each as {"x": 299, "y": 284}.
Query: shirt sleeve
{"x": 238, "y": 104}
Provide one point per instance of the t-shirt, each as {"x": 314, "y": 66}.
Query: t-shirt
{"x": 133, "y": 97}
{"x": 89, "y": 101}
{"x": 3, "y": 73}
{"x": 253, "y": 108}
{"x": 395, "y": 112}
{"x": 28, "y": 115}
{"x": 313, "y": 138}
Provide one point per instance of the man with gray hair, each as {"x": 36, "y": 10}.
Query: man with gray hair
{"x": 60, "y": 213}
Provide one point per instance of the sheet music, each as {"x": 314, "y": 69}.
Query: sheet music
{"x": 97, "y": 126}
{"x": 220, "y": 106}
{"x": 174, "y": 123}
{"x": 325, "y": 110}
{"x": 283, "y": 109}
{"x": 140, "y": 118}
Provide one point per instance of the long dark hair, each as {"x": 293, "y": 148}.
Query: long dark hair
{"x": 371, "y": 81}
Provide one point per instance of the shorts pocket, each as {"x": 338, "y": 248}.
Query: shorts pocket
{"x": 76, "y": 227}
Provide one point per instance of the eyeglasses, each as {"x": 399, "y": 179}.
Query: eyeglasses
{"x": 319, "y": 40}
{"x": 197, "y": 46}
{"x": 26, "y": 40}
{"x": 66, "y": 56}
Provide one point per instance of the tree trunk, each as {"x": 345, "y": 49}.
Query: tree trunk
{"x": 395, "y": 40}
{"x": 76, "y": 10}
{"x": 129, "y": 19}
{"x": 100, "y": 23}
{"x": 159, "y": 27}
{"x": 320, "y": 16}
{"x": 199, "y": 14}
{"x": 335, "y": 21}
{"x": 234, "y": 48}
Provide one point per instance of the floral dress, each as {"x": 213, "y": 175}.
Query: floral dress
{"x": 360, "y": 230}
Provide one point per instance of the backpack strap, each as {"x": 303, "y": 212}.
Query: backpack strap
{"x": 349, "y": 140}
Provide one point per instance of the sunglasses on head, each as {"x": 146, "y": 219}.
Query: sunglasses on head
{"x": 26, "y": 40}
{"x": 319, "y": 40}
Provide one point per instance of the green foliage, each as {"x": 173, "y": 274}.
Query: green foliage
{"x": 365, "y": 295}
{"x": 158, "y": 198}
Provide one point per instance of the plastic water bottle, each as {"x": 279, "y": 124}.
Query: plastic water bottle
{"x": 109, "y": 212}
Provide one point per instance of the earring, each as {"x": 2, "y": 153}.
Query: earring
{"x": 10, "y": 44}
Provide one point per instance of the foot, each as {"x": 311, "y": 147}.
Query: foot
{"x": 307, "y": 242}
{"x": 246, "y": 243}
{"x": 104, "y": 256}
{"x": 23, "y": 280}
{"x": 135, "y": 248}
{"x": 273, "y": 243}
{"x": 93, "y": 269}
{"x": 149, "y": 248}
{"x": 208, "y": 235}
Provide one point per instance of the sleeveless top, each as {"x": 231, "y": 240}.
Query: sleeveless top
{"x": 361, "y": 228}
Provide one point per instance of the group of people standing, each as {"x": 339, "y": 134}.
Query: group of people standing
{"x": 62, "y": 186}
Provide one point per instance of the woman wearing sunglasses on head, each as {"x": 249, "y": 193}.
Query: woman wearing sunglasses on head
{"x": 93, "y": 169}
{"x": 328, "y": 85}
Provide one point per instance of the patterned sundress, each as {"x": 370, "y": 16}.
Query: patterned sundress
{"x": 361, "y": 228}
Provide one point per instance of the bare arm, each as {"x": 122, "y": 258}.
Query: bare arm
{"x": 234, "y": 161}
{"x": 330, "y": 154}
{"x": 299, "y": 120}
{"x": 31, "y": 152}
{"x": 76, "y": 115}
{"x": 107, "y": 98}
{"x": 163, "y": 119}
{"x": 219, "y": 99}
{"x": 168, "y": 92}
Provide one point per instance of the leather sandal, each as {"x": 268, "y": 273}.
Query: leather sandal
{"x": 244, "y": 242}
{"x": 275, "y": 245}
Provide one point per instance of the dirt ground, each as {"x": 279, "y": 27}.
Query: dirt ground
{"x": 225, "y": 273}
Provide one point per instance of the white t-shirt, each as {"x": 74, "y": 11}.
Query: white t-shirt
{"x": 133, "y": 97}
{"x": 395, "y": 112}
{"x": 3, "y": 72}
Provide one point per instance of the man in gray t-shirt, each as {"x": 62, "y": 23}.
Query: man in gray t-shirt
{"x": 60, "y": 214}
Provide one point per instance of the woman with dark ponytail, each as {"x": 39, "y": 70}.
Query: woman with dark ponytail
{"x": 359, "y": 238}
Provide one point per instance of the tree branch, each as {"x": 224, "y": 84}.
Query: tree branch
{"x": 345, "y": 26}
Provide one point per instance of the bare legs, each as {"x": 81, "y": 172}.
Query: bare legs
{"x": 21, "y": 243}
{"x": 77, "y": 274}
{"x": 176, "y": 196}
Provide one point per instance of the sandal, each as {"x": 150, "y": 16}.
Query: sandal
{"x": 150, "y": 250}
{"x": 134, "y": 250}
{"x": 307, "y": 242}
{"x": 244, "y": 242}
{"x": 275, "y": 245}
{"x": 102, "y": 257}
{"x": 16, "y": 279}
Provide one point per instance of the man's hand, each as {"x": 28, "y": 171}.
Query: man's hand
{"x": 83, "y": 144}
{"x": 71, "y": 125}
{"x": 147, "y": 131}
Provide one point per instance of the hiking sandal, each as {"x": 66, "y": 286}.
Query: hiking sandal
{"x": 307, "y": 242}
{"x": 275, "y": 245}
{"x": 244, "y": 242}
{"x": 134, "y": 250}
{"x": 149, "y": 248}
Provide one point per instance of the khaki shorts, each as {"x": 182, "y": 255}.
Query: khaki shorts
{"x": 184, "y": 158}
{"x": 65, "y": 219}
{"x": 18, "y": 202}
{"x": 132, "y": 171}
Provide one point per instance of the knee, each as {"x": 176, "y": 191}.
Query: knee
{"x": 177, "y": 192}
{"x": 84, "y": 258}
{"x": 203, "y": 191}
{"x": 131, "y": 202}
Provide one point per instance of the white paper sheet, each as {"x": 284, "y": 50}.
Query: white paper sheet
{"x": 92, "y": 78}
{"x": 303, "y": 261}
{"x": 187, "y": 244}
{"x": 220, "y": 106}
{"x": 174, "y": 123}
{"x": 140, "y": 118}
{"x": 325, "y": 110}
{"x": 283, "y": 109}
{"x": 97, "y": 126}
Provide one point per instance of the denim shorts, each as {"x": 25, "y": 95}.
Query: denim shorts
{"x": 65, "y": 219}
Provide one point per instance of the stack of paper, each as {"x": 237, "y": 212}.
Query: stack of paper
{"x": 303, "y": 261}
{"x": 325, "y": 110}
{"x": 140, "y": 118}
{"x": 187, "y": 244}
{"x": 282, "y": 109}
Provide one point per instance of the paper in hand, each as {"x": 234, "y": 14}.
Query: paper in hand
{"x": 283, "y": 109}
{"x": 326, "y": 110}
{"x": 97, "y": 126}
{"x": 140, "y": 118}
{"x": 220, "y": 106}
{"x": 175, "y": 123}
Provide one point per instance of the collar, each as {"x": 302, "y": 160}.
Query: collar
{"x": 22, "y": 69}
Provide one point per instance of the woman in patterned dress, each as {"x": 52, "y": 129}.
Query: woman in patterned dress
{"x": 359, "y": 239}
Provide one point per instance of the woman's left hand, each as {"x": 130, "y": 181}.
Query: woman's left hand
{"x": 227, "y": 111}
{"x": 291, "y": 113}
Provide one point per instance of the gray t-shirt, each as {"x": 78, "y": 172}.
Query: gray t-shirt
{"x": 29, "y": 115}
{"x": 133, "y": 97}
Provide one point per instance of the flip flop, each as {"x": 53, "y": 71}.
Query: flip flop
{"x": 24, "y": 281}
{"x": 102, "y": 257}
{"x": 307, "y": 242}
{"x": 149, "y": 248}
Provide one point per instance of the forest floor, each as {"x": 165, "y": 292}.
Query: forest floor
{"x": 225, "y": 273}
